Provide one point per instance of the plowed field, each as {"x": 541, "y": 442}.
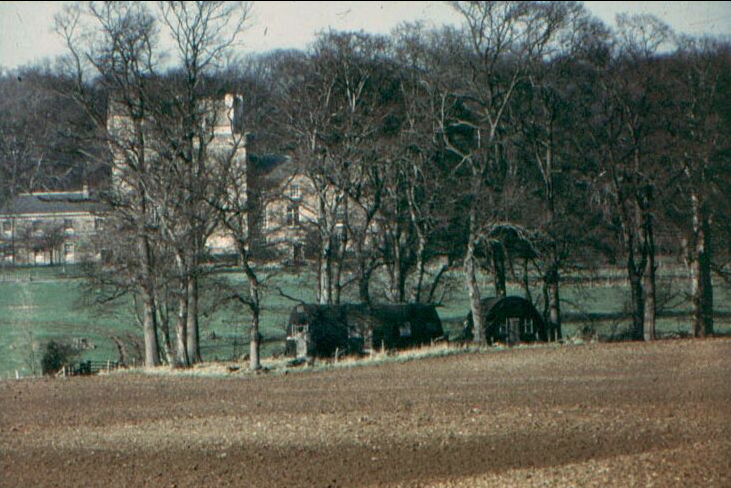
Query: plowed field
{"x": 594, "y": 415}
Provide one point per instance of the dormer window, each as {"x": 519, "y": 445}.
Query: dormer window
{"x": 294, "y": 191}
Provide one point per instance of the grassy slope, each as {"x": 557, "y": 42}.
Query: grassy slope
{"x": 39, "y": 304}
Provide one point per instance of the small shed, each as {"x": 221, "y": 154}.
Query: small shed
{"x": 320, "y": 330}
{"x": 510, "y": 320}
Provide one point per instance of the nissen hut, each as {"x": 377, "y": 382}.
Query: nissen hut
{"x": 509, "y": 320}
{"x": 321, "y": 330}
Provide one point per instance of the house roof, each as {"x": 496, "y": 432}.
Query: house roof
{"x": 52, "y": 203}
{"x": 270, "y": 165}
{"x": 272, "y": 169}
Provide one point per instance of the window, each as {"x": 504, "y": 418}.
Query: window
{"x": 340, "y": 234}
{"x": 293, "y": 215}
{"x": 264, "y": 218}
{"x": 527, "y": 327}
{"x": 7, "y": 225}
{"x": 68, "y": 224}
{"x": 404, "y": 330}
{"x": 98, "y": 224}
{"x": 68, "y": 249}
{"x": 295, "y": 192}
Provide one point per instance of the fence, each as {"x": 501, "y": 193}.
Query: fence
{"x": 88, "y": 368}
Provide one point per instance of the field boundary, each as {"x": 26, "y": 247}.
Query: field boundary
{"x": 86, "y": 368}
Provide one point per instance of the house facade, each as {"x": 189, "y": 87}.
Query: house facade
{"x": 50, "y": 228}
{"x": 294, "y": 213}
{"x": 286, "y": 217}
{"x": 222, "y": 127}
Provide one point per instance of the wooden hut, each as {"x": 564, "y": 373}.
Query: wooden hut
{"x": 320, "y": 330}
{"x": 510, "y": 320}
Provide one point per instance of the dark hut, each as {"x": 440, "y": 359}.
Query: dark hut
{"x": 510, "y": 320}
{"x": 320, "y": 330}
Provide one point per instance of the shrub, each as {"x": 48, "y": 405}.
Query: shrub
{"x": 57, "y": 355}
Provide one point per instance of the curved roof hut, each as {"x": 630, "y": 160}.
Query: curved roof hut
{"x": 320, "y": 330}
{"x": 511, "y": 319}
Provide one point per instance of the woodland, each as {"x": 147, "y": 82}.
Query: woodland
{"x": 530, "y": 144}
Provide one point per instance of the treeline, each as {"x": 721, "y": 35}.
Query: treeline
{"x": 531, "y": 141}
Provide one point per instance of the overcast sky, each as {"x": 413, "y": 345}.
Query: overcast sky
{"x": 26, "y": 37}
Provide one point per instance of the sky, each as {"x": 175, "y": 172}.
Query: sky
{"x": 26, "y": 27}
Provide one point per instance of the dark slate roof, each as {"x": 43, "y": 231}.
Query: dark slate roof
{"x": 52, "y": 202}
{"x": 273, "y": 168}
{"x": 265, "y": 163}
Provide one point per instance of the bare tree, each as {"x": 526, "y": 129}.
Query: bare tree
{"x": 625, "y": 130}
{"x": 117, "y": 42}
{"x": 417, "y": 198}
{"x": 204, "y": 34}
{"x": 303, "y": 94}
{"x": 500, "y": 41}
{"x": 158, "y": 129}
{"x": 549, "y": 114}
{"x": 699, "y": 129}
{"x": 329, "y": 102}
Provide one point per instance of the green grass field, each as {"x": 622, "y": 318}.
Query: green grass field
{"x": 40, "y": 304}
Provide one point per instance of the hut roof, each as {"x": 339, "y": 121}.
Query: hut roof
{"x": 509, "y": 307}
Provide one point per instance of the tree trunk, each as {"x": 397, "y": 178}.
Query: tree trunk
{"x": 398, "y": 280}
{"x": 700, "y": 270}
{"x": 255, "y": 336}
{"x": 325, "y": 273}
{"x": 255, "y": 307}
{"x": 182, "y": 360}
{"x": 149, "y": 324}
{"x": 498, "y": 261}
{"x": 194, "y": 350}
{"x": 478, "y": 329}
{"x": 166, "y": 347}
{"x": 337, "y": 284}
{"x": 437, "y": 279}
{"x": 181, "y": 330}
{"x": 649, "y": 282}
{"x": 638, "y": 309}
{"x": 402, "y": 275}
{"x": 526, "y": 281}
{"x": 364, "y": 285}
{"x": 551, "y": 283}
{"x": 152, "y": 354}
{"x": 632, "y": 230}
{"x": 364, "y": 274}
{"x": 420, "y": 266}
{"x": 324, "y": 270}
{"x": 255, "y": 342}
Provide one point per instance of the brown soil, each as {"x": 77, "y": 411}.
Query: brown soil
{"x": 596, "y": 415}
